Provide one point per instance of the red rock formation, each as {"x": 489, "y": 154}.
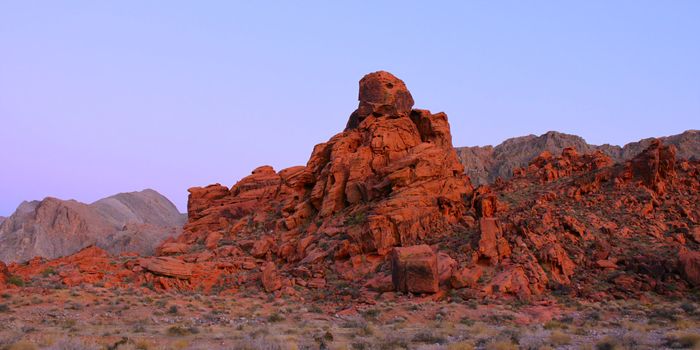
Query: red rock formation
{"x": 270, "y": 278}
{"x": 414, "y": 269}
{"x": 690, "y": 266}
{"x": 165, "y": 266}
{"x": 4, "y": 275}
{"x": 654, "y": 165}
{"x": 484, "y": 164}
{"x": 572, "y": 223}
{"x": 391, "y": 179}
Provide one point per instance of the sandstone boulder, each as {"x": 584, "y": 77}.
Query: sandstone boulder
{"x": 166, "y": 266}
{"x": 414, "y": 269}
{"x": 4, "y": 274}
{"x": 654, "y": 165}
{"x": 381, "y": 93}
{"x": 690, "y": 266}
{"x": 270, "y": 278}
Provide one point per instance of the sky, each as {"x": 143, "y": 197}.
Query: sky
{"x": 101, "y": 97}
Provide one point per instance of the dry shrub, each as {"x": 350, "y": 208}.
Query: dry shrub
{"x": 559, "y": 338}
{"x": 683, "y": 340}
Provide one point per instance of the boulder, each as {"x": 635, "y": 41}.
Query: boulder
{"x": 172, "y": 248}
{"x": 270, "y": 278}
{"x": 690, "y": 266}
{"x": 414, "y": 269}
{"x": 381, "y": 93}
{"x": 166, "y": 266}
{"x": 654, "y": 165}
{"x": 492, "y": 246}
{"x": 4, "y": 274}
{"x": 466, "y": 277}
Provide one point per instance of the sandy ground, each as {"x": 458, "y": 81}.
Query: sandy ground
{"x": 98, "y": 318}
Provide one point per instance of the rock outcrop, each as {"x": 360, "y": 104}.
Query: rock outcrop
{"x": 51, "y": 228}
{"x": 4, "y": 275}
{"x": 414, "y": 269}
{"x": 483, "y": 164}
{"x": 384, "y": 207}
{"x": 391, "y": 179}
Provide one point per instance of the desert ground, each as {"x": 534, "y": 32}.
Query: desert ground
{"x": 100, "y": 318}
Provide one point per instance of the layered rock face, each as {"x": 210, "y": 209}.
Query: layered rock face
{"x": 52, "y": 228}
{"x": 483, "y": 164}
{"x": 390, "y": 179}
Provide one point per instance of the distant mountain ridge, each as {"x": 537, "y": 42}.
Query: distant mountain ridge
{"x": 483, "y": 164}
{"x": 51, "y": 228}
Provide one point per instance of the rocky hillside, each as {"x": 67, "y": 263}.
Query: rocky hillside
{"x": 483, "y": 164}
{"x": 51, "y": 228}
{"x": 383, "y": 210}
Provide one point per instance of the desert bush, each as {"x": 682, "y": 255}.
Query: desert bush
{"x": 4, "y": 308}
{"x": 72, "y": 344}
{"x": 391, "y": 342}
{"x": 372, "y": 313}
{"x": 275, "y": 317}
{"x": 173, "y": 310}
{"x": 180, "y": 331}
{"x": 16, "y": 280}
{"x": 608, "y": 343}
{"x": 22, "y": 345}
{"x": 428, "y": 337}
{"x": 682, "y": 340}
{"x": 501, "y": 345}
{"x": 462, "y": 345}
{"x": 263, "y": 343}
{"x": 559, "y": 338}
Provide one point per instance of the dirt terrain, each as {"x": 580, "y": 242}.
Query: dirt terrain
{"x": 101, "y": 318}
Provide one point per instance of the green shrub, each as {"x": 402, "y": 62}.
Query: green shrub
{"x": 16, "y": 280}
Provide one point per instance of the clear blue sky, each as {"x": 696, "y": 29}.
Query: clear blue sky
{"x": 100, "y": 97}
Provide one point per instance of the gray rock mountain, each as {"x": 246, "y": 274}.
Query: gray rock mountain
{"x": 484, "y": 164}
{"x": 126, "y": 222}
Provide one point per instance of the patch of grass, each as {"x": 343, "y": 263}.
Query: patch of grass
{"x": 462, "y": 345}
{"x": 559, "y": 338}
{"x": 16, "y": 280}
{"x": 356, "y": 219}
{"x": 682, "y": 340}
{"x": 173, "y": 310}
{"x": 22, "y": 345}
{"x": 181, "y": 331}
{"x": 372, "y": 313}
{"x": 275, "y": 317}
{"x": 315, "y": 309}
{"x": 428, "y": 337}
{"x": 501, "y": 345}
{"x": 608, "y": 343}
{"x": 466, "y": 321}
{"x": 49, "y": 271}
{"x": 554, "y": 324}
{"x": 260, "y": 343}
{"x": 391, "y": 342}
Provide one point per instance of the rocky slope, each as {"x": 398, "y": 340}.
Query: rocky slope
{"x": 51, "y": 228}
{"x": 383, "y": 210}
{"x": 483, "y": 164}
